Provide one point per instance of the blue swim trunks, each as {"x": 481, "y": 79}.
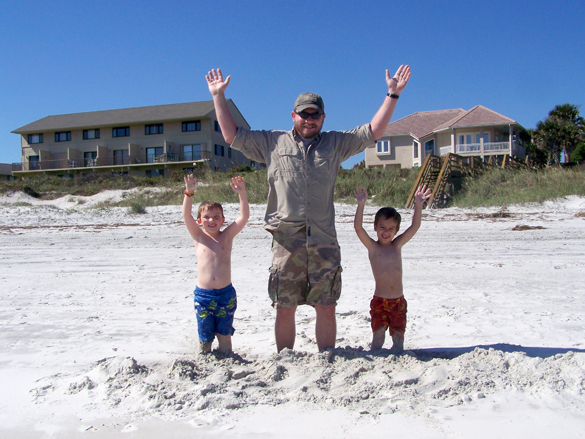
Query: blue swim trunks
{"x": 215, "y": 312}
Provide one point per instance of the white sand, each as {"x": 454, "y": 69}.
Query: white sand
{"x": 98, "y": 335}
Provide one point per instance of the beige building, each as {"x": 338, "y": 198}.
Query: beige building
{"x": 477, "y": 132}
{"x": 142, "y": 141}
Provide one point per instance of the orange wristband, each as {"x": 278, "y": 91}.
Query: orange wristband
{"x": 189, "y": 194}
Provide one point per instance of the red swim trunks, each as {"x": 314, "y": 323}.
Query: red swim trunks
{"x": 388, "y": 312}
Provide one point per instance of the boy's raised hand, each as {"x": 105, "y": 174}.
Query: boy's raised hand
{"x": 238, "y": 184}
{"x": 422, "y": 194}
{"x": 190, "y": 183}
{"x": 361, "y": 194}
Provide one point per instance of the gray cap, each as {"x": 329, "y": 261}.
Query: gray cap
{"x": 309, "y": 100}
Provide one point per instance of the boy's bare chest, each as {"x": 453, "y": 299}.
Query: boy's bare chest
{"x": 385, "y": 256}
{"x": 210, "y": 248}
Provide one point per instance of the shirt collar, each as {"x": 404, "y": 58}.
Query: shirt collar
{"x": 299, "y": 138}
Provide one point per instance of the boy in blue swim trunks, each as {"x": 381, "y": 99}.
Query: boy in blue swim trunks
{"x": 215, "y": 297}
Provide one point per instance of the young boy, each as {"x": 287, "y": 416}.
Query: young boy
{"x": 388, "y": 307}
{"x": 215, "y": 297}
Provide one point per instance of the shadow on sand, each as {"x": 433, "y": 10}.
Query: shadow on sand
{"x": 540, "y": 352}
{"x": 448, "y": 353}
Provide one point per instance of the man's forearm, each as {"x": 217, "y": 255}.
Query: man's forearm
{"x": 224, "y": 117}
{"x": 382, "y": 118}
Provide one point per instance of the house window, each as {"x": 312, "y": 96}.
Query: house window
{"x": 121, "y": 132}
{"x": 90, "y": 158}
{"x": 217, "y": 127}
{"x": 194, "y": 125}
{"x": 35, "y": 138}
{"x": 219, "y": 150}
{"x": 33, "y": 162}
{"x": 461, "y": 139}
{"x": 91, "y": 134}
{"x": 191, "y": 152}
{"x": 152, "y": 153}
{"x": 416, "y": 146}
{"x": 429, "y": 147}
{"x": 156, "y": 128}
{"x": 229, "y": 152}
{"x": 63, "y": 136}
{"x": 383, "y": 146}
{"x": 120, "y": 157}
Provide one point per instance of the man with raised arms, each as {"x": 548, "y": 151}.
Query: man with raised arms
{"x": 302, "y": 166}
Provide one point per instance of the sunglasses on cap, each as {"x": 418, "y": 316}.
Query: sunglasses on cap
{"x": 305, "y": 115}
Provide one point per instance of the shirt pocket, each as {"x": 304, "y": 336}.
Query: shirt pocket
{"x": 289, "y": 160}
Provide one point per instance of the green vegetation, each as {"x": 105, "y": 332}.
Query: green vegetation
{"x": 501, "y": 187}
{"x": 386, "y": 187}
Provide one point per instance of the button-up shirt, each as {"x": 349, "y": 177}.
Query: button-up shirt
{"x": 301, "y": 180}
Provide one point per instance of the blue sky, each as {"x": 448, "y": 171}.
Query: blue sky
{"x": 518, "y": 58}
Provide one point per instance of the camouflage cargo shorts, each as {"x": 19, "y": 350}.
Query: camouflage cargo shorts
{"x": 303, "y": 274}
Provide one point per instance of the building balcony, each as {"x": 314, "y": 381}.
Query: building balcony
{"x": 489, "y": 148}
{"x": 138, "y": 161}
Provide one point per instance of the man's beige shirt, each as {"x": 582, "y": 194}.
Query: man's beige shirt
{"x": 301, "y": 182}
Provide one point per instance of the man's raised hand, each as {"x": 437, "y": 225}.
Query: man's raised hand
{"x": 398, "y": 82}
{"x": 216, "y": 83}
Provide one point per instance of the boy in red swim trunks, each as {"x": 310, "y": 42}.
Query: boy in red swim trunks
{"x": 388, "y": 307}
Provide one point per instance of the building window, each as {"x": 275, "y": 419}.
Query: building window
{"x": 35, "y": 138}
{"x": 219, "y": 150}
{"x": 91, "y": 134}
{"x": 191, "y": 152}
{"x": 217, "y": 127}
{"x": 90, "y": 158}
{"x": 194, "y": 125}
{"x": 416, "y": 146}
{"x": 64, "y": 136}
{"x": 120, "y": 157}
{"x": 383, "y": 146}
{"x": 152, "y": 153}
{"x": 33, "y": 162}
{"x": 229, "y": 152}
{"x": 121, "y": 132}
{"x": 156, "y": 128}
{"x": 429, "y": 147}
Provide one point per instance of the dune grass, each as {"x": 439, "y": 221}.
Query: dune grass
{"x": 386, "y": 187}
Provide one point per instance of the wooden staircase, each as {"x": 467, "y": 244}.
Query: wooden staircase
{"x": 444, "y": 175}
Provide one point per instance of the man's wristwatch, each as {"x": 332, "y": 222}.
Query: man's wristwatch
{"x": 393, "y": 96}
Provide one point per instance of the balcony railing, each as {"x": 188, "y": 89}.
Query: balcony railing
{"x": 468, "y": 147}
{"x": 497, "y": 146}
{"x": 143, "y": 159}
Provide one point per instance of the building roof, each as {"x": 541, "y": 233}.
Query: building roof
{"x": 124, "y": 116}
{"x": 477, "y": 116}
{"x": 421, "y": 124}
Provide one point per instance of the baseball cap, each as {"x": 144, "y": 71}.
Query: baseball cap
{"x": 309, "y": 100}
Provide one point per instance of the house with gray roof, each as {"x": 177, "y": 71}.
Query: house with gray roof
{"x": 142, "y": 141}
{"x": 476, "y": 132}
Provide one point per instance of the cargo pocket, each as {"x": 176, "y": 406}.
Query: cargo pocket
{"x": 336, "y": 284}
{"x": 273, "y": 284}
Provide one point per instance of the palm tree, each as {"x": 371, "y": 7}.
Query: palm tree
{"x": 562, "y": 131}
